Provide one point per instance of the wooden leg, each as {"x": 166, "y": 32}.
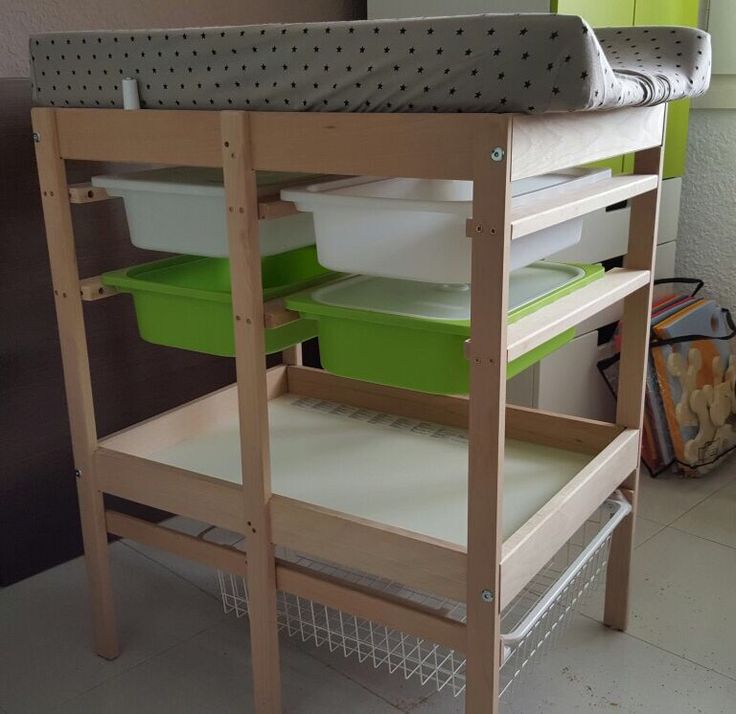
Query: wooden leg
{"x": 250, "y": 361}
{"x": 70, "y": 317}
{"x": 489, "y": 231}
{"x": 632, "y": 377}
{"x": 292, "y": 355}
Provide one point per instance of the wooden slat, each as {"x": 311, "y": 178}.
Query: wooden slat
{"x": 213, "y": 555}
{"x": 188, "y": 420}
{"x": 148, "y": 136}
{"x": 92, "y": 289}
{"x": 632, "y": 378}
{"x": 410, "y": 558}
{"x": 534, "y": 212}
{"x": 540, "y": 427}
{"x": 77, "y": 381}
{"x": 490, "y": 265}
{"x": 415, "y": 145}
{"x": 270, "y": 208}
{"x": 551, "y": 320}
{"x": 537, "y": 541}
{"x": 241, "y": 202}
{"x": 171, "y": 489}
{"x": 87, "y": 193}
{"x": 275, "y": 313}
{"x": 309, "y": 382}
{"x": 550, "y": 142}
{"x": 381, "y": 607}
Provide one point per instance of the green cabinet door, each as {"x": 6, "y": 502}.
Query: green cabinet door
{"x": 598, "y": 13}
{"x": 669, "y": 12}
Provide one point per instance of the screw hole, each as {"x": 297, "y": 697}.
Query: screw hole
{"x": 493, "y": 231}
{"x": 90, "y": 194}
{"x": 237, "y": 318}
{"x": 56, "y": 292}
{"x": 232, "y": 155}
{"x": 63, "y": 294}
{"x": 51, "y": 193}
{"x": 100, "y": 290}
{"x": 248, "y": 320}
{"x": 241, "y": 210}
{"x": 227, "y": 144}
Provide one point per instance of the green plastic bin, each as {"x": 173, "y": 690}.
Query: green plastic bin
{"x": 368, "y": 335}
{"x": 185, "y": 301}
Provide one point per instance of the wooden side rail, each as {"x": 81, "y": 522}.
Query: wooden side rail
{"x": 416, "y": 620}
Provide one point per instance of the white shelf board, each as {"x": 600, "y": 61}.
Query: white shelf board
{"x": 397, "y": 475}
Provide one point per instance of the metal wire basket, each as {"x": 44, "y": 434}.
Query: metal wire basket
{"x": 531, "y": 623}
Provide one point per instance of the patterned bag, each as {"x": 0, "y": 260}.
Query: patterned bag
{"x": 690, "y": 405}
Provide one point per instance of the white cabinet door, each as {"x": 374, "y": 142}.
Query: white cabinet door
{"x": 379, "y": 9}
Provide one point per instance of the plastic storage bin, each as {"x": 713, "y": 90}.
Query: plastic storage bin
{"x": 414, "y": 229}
{"x": 182, "y": 210}
{"x": 185, "y": 301}
{"x": 410, "y": 334}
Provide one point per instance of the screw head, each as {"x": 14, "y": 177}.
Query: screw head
{"x": 77, "y": 473}
{"x": 36, "y": 137}
{"x": 486, "y": 596}
{"x": 497, "y": 154}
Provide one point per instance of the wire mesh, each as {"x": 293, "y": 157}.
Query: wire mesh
{"x": 532, "y": 622}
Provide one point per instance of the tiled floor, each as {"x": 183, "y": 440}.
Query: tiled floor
{"x": 181, "y": 654}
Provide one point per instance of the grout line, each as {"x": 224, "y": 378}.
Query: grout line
{"x": 137, "y": 665}
{"x": 310, "y": 651}
{"x": 664, "y": 649}
{"x": 699, "y": 537}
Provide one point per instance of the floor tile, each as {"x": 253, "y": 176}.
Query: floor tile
{"x": 683, "y": 598}
{"x": 393, "y": 687}
{"x": 714, "y": 518}
{"x": 644, "y": 530}
{"x": 596, "y": 670}
{"x": 666, "y": 498}
{"x": 211, "y": 673}
{"x": 46, "y": 655}
{"x": 203, "y": 577}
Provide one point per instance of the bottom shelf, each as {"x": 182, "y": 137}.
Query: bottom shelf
{"x": 531, "y": 623}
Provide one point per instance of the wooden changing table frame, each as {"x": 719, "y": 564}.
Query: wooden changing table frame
{"x": 491, "y": 150}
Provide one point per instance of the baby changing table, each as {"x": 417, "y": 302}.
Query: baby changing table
{"x": 228, "y": 459}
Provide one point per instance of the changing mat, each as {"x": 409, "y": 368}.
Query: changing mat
{"x": 475, "y": 63}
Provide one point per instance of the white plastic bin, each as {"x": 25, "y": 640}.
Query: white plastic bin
{"x": 414, "y": 229}
{"x": 182, "y": 210}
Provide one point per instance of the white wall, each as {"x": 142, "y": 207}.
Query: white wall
{"x": 21, "y": 18}
{"x": 706, "y": 245}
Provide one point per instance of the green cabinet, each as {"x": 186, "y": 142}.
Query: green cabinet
{"x": 599, "y": 13}
{"x": 612, "y": 13}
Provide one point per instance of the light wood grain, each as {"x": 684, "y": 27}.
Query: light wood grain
{"x": 419, "y": 561}
{"x": 171, "y": 488}
{"x": 491, "y": 249}
{"x": 550, "y": 142}
{"x": 87, "y": 193}
{"x": 536, "y": 211}
{"x": 413, "y": 145}
{"x": 92, "y": 289}
{"x": 537, "y": 541}
{"x": 551, "y": 320}
{"x": 373, "y": 606}
{"x": 148, "y": 136}
{"x": 348, "y": 597}
{"x": 80, "y": 404}
{"x": 632, "y": 377}
{"x": 241, "y": 201}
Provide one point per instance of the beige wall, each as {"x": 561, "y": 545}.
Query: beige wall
{"x": 21, "y": 18}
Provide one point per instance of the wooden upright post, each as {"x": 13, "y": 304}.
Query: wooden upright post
{"x": 247, "y": 293}
{"x": 490, "y": 233}
{"x": 632, "y": 376}
{"x": 80, "y": 405}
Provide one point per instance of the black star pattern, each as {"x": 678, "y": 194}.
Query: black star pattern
{"x": 618, "y": 59}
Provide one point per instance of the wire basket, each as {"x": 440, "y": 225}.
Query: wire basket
{"x": 532, "y": 622}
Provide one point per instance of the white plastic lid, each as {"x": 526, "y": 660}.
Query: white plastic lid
{"x": 440, "y": 302}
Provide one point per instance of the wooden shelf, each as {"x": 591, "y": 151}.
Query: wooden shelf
{"x": 534, "y": 212}
{"x": 570, "y": 310}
